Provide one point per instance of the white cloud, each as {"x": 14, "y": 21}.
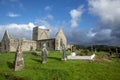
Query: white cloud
{"x": 18, "y": 30}
{"x": 107, "y": 10}
{"x": 49, "y": 16}
{"x": 43, "y": 27}
{"x": 12, "y": 26}
{"x": 47, "y": 8}
{"x": 31, "y": 25}
{"x": 108, "y": 29}
{"x": 76, "y": 15}
{"x": 42, "y": 22}
{"x": 10, "y": 14}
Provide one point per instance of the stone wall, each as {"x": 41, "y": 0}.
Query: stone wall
{"x": 27, "y": 45}
{"x": 50, "y": 44}
{"x": 13, "y": 44}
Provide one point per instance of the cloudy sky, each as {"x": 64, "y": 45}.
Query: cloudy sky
{"x": 84, "y": 22}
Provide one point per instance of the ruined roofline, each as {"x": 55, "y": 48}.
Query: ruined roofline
{"x": 6, "y": 31}
{"x": 60, "y": 30}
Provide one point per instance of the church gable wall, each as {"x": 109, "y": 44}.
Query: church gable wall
{"x": 5, "y": 43}
{"x": 43, "y": 35}
{"x": 60, "y": 39}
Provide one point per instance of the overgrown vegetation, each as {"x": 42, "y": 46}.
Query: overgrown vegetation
{"x": 55, "y": 69}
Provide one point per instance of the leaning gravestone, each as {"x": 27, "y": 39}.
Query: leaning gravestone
{"x": 19, "y": 61}
{"x": 44, "y": 54}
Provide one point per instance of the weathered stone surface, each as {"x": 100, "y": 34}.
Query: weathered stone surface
{"x": 19, "y": 60}
{"x": 64, "y": 57}
{"x": 44, "y": 54}
{"x": 27, "y": 45}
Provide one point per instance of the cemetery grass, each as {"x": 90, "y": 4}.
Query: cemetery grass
{"x": 55, "y": 69}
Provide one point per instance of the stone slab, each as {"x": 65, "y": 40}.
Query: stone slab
{"x": 81, "y": 57}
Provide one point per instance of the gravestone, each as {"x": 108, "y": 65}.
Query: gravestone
{"x": 95, "y": 50}
{"x": 73, "y": 48}
{"x": 19, "y": 60}
{"x": 64, "y": 57}
{"x": 44, "y": 54}
{"x": 110, "y": 52}
{"x": 0, "y": 50}
{"x": 117, "y": 53}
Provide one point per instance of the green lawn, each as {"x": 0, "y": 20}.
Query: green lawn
{"x": 55, "y": 69}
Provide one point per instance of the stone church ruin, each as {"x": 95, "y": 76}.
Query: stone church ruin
{"x": 39, "y": 37}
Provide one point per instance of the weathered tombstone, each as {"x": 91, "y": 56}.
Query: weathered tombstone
{"x": 64, "y": 57}
{"x": 19, "y": 60}
{"x": 31, "y": 48}
{"x": 0, "y": 50}
{"x": 44, "y": 54}
{"x": 73, "y": 51}
{"x": 95, "y": 50}
{"x": 117, "y": 53}
{"x": 110, "y": 52}
{"x": 116, "y": 50}
{"x": 73, "y": 48}
{"x": 91, "y": 48}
